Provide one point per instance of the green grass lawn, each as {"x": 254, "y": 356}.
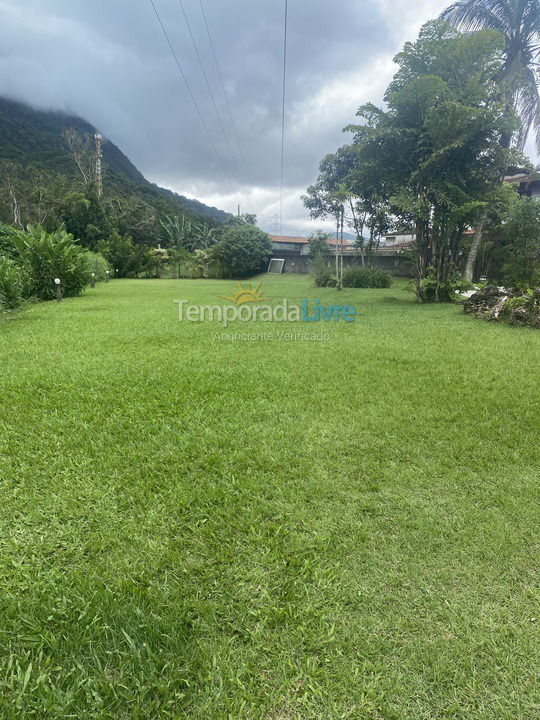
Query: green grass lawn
{"x": 198, "y": 528}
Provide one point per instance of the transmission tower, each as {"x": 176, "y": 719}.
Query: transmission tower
{"x": 99, "y": 177}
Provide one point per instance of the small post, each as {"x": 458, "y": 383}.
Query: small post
{"x": 58, "y": 286}
{"x": 93, "y": 280}
{"x": 107, "y": 276}
{"x": 117, "y": 272}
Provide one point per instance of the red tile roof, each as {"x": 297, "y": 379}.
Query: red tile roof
{"x": 302, "y": 240}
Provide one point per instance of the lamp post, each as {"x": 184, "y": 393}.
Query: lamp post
{"x": 107, "y": 276}
{"x": 92, "y": 280}
{"x": 58, "y": 286}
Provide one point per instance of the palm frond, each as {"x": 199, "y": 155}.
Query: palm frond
{"x": 519, "y": 22}
{"x": 527, "y": 100}
{"x": 530, "y": 24}
{"x": 475, "y": 15}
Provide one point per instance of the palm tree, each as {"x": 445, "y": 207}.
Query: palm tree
{"x": 519, "y": 23}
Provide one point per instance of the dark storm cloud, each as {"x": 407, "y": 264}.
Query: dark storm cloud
{"x": 109, "y": 62}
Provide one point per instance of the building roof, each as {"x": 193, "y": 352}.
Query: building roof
{"x": 302, "y": 240}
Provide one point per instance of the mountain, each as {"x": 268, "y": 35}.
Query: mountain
{"x": 30, "y": 137}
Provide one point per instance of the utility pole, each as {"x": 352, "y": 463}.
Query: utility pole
{"x": 99, "y": 178}
{"x": 339, "y": 247}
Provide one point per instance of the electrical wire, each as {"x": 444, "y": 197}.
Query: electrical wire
{"x": 225, "y": 95}
{"x": 283, "y": 115}
{"x": 208, "y": 87}
{"x": 192, "y": 96}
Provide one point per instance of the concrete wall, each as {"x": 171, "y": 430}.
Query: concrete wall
{"x": 393, "y": 263}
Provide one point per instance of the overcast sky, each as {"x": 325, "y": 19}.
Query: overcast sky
{"x": 108, "y": 61}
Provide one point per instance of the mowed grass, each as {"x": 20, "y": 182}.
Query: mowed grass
{"x": 199, "y": 528}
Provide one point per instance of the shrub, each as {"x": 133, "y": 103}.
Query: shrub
{"x": 97, "y": 264}
{"x": 321, "y": 272}
{"x": 12, "y": 284}
{"x": 242, "y": 250}
{"x": 7, "y": 233}
{"x": 432, "y": 290}
{"x": 46, "y": 256}
{"x": 521, "y": 248}
{"x": 121, "y": 254}
{"x": 525, "y": 309}
{"x": 364, "y": 277}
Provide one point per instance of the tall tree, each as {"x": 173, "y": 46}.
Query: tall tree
{"x": 518, "y": 21}
{"x": 436, "y": 153}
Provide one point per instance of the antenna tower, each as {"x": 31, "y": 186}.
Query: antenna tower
{"x": 99, "y": 177}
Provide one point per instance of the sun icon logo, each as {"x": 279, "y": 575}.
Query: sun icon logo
{"x": 246, "y": 294}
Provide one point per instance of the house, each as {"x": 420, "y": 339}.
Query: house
{"x": 397, "y": 239}
{"x": 300, "y": 245}
{"x": 527, "y": 182}
{"x": 294, "y": 251}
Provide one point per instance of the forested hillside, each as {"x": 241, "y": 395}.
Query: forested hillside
{"x": 39, "y": 173}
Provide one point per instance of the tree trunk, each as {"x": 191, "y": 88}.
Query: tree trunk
{"x": 473, "y": 252}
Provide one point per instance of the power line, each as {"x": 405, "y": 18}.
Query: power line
{"x": 283, "y": 114}
{"x": 240, "y": 148}
{"x": 220, "y": 121}
{"x": 192, "y": 96}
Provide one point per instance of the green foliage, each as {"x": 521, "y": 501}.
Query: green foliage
{"x": 158, "y": 258}
{"x": 518, "y": 24}
{"x": 525, "y": 309}
{"x": 85, "y": 218}
{"x": 435, "y": 290}
{"x": 318, "y": 245}
{"x": 366, "y": 277}
{"x": 97, "y": 264}
{"x": 34, "y": 138}
{"x": 121, "y": 254}
{"x": 7, "y": 234}
{"x": 322, "y": 273}
{"x": 199, "y": 263}
{"x": 12, "y": 284}
{"x": 521, "y": 250}
{"x": 46, "y": 256}
{"x": 242, "y": 250}
{"x": 433, "y": 157}
{"x": 177, "y": 231}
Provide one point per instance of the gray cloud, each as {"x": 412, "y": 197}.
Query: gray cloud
{"x": 109, "y": 63}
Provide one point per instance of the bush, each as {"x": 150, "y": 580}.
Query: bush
{"x": 432, "y": 290}
{"x": 525, "y": 309}
{"x": 242, "y": 250}
{"x": 121, "y": 254}
{"x": 521, "y": 268}
{"x": 46, "y": 256}
{"x": 364, "y": 277}
{"x": 12, "y": 284}
{"x": 322, "y": 275}
{"x": 97, "y": 264}
{"x": 7, "y": 233}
